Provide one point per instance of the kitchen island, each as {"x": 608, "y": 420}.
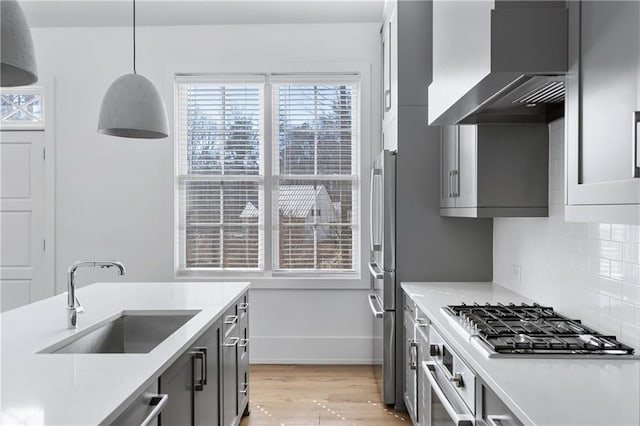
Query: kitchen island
{"x": 539, "y": 391}
{"x": 59, "y": 388}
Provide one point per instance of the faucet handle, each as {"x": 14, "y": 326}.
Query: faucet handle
{"x": 79, "y": 308}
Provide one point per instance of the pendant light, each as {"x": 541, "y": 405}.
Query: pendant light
{"x": 16, "y": 48}
{"x": 132, "y": 106}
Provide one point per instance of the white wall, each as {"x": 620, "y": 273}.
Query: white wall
{"x": 589, "y": 271}
{"x": 114, "y": 197}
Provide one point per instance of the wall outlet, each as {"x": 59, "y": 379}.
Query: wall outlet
{"x": 516, "y": 274}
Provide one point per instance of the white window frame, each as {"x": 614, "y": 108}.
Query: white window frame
{"x": 369, "y": 132}
{"x": 287, "y": 79}
{"x": 26, "y": 125}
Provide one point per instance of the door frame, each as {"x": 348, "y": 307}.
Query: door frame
{"x": 45, "y": 291}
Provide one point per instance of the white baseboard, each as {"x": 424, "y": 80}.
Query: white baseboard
{"x": 312, "y": 350}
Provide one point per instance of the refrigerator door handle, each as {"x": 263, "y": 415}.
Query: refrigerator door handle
{"x": 376, "y": 313}
{"x": 371, "y": 209}
{"x": 378, "y": 275}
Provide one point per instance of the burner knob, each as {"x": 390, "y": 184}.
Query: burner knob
{"x": 434, "y": 350}
{"x": 456, "y": 379}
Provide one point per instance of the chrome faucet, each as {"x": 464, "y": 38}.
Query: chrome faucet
{"x": 74, "y": 308}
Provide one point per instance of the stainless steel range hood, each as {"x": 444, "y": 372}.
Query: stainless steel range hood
{"x": 497, "y": 61}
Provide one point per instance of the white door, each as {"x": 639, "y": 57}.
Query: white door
{"x": 24, "y": 277}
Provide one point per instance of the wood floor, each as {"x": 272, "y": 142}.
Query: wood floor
{"x": 301, "y": 395}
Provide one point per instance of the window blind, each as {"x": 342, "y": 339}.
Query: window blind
{"x": 219, "y": 174}
{"x": 315, "y": 159}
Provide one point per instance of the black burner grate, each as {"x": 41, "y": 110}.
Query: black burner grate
{"x": 534, "y": 329}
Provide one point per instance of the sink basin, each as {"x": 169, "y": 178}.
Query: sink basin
{"x": 134, "y": 332}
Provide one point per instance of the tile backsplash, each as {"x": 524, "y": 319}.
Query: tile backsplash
{"x": 589, "y": 271}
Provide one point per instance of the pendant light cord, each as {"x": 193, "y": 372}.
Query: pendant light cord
{"x": 134, "y": 36}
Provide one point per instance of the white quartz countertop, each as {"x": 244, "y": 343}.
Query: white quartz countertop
{"x": 539, "y": 391}
{"x": 67, "y": 389}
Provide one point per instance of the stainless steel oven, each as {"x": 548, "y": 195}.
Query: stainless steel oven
{"x": 451, "y": 386}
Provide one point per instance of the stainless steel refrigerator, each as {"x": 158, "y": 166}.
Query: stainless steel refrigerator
{"x": 382, "y": 266}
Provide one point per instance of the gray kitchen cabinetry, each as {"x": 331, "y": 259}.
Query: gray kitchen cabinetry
{"x": 416, "y": 348}
{"x": 209, "y": 383}
{"x": 494, "y": 170}
{"x": 411, "y": 360}
{"x": 192, "y": 383}
{"x": 178, "y": 383}
{"x": 603, "y": 112}
{"x": 145, "y": 409}
{"x": 389, "y": 34}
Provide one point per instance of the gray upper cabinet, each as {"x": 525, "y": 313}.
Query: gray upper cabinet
{"x": 603, "y": 100}
{"x": 493, "y": 170}
{"x": 389, "y": 35}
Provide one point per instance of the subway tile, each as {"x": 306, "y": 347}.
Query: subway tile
{"x": 601, "y": 248}
{"x": 611, "y": 288}
{"x": 631, "y": 293}
{"x": 608, "y": 325}
{"x": 630, "y": 334}
{"x": 622, "y": 271}
{"x": 600, "y": 231}
{"x": 622, "y": 311}
{"x": 589, "y": 317}
{"x": 618, "y": 232}
{"x": 580, "y": 229}
{"x": 579, "y": 261}
{"x": 599, "y": 266}
{"x": 631, "y": 253}
{"x": 633, "y": 233}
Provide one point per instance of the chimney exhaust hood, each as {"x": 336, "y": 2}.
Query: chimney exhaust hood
{"x": 498, "y": 61}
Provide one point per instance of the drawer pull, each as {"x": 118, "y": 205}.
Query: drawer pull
{"x": 233, "y": 341}
{"x": 158, "y": 402}
{"x": 231, "y": 319}
{"x": 243, "y": 306}
{"x": 245, "y": 389}
{"x": 243, "y": 343}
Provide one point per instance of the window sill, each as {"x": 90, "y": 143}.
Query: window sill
{"x": 282, "y": 280}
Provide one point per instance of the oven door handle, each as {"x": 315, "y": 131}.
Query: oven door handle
{"x": 373, "y": 298}
{"x": 460, "y": 419}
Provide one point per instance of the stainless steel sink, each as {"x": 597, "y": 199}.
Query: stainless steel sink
{"x": 132, "y": 332}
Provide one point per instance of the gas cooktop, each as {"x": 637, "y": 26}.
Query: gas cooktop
{"x": 533, "y": 330}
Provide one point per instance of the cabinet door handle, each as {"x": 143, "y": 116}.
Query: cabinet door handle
{"x": 243, "y": 306}
{"x": 450, "y": 184}
{"x": 636, "y": 142}
{"x": 205, "y": 373}
{"x": 387, "y": 100}
{"x": 231, "y": 342}
{"x": 456, "y": 183}
{"x": 231, "y": 319}
{"x": 243, "y": 343}
{"x": 245, "y": 389}
{"x": 201, "y": 356}
{"x": 157, "y": 402}
{"x": 413, "y": 354}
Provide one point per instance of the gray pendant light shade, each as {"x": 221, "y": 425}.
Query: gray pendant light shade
{"x": 18, "y": 59}
{"x": 133, "y": 108}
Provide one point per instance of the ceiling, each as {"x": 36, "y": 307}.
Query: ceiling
{"x": 100, "y": 13}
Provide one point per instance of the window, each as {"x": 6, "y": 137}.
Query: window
{"x": 310, "y": 186}
{"x": 22, "y": 108}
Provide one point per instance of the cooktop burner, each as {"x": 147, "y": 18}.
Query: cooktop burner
{"x": 533, "y": 330}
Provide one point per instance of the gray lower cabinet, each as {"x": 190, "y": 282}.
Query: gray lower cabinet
{"x": 411, "y": 360}
{"x": 230, "y": 386}
{"x": 177, "y": 382}
{"x": 144, "y": 409}
{"x": 209, "y": 384}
